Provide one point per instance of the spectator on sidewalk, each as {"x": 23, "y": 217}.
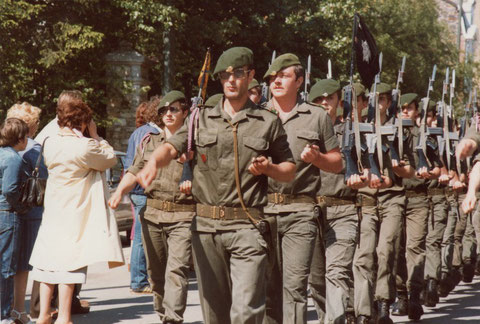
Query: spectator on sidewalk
{"x": 77, "y": 228}
{"x": 13, "y": 139}
{"x": 29, "y": 222}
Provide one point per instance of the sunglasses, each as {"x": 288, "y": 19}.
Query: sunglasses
{"x": 237, "y": 74}
{"x": 173, "y": 110}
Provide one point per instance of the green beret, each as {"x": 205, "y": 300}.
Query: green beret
{"x": 323, "y": 88}
{"x": 431, "y": 105}
{"x": 213, "y": 100}
{"x": 253, "y": 84}
{"x": 171, "y": 97}
{"x": 359, "y": 88}
{"x": 280, "y": 63}
{"x": 233, "y": 58}
{"x": 382, "y": 88}
{"x": 408, "y": 98}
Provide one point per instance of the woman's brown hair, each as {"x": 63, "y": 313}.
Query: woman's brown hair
{"x": 141, "y": 115}
{"x": 12, "y": 132}
{"x": 73, "y": 113}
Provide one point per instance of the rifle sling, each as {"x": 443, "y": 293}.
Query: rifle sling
{"x": 237, "y": 175}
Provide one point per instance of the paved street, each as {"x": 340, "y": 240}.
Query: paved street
{"x": 111, "y": 302}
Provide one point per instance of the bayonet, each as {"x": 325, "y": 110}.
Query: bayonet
{"x": 307, "y": 78}
{"x": 329, "y": 74}
{"x": 265, "y": 86}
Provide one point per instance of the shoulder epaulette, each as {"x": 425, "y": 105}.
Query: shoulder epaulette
{"x": 270, "y": 109}
{"x": 144, "y": 141}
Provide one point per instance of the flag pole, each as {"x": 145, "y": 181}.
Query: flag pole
{"x": 354, "y": 35}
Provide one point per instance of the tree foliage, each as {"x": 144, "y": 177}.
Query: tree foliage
{"x": 50, "y": 45}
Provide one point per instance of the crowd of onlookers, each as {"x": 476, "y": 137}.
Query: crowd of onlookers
{"x": 74, "y": 227}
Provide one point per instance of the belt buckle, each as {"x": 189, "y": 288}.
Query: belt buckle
{"x": 221, "y": 212}
{"x": 279, "y": 198}
{"x": 167, "y": 206}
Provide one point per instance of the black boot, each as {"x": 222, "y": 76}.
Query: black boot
{"x": 350, "y": 318}
{"x": 400, "y": 307}
{"x": 444, "y": 285}
{"x": 383, "y": 312}
{"x": 415, "y": 309}
{"x": 431, "y": 294}
{"x": 456, "y": 277}
{"x": 477, "y": 267}
{"x": 363, "y": 319}
{"x": 468, "y": 272}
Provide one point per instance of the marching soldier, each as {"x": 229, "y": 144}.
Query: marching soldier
{"x": 230, "y": 252}
{"x": 314, "y": 145}
{"x": 411, "y": 258}
{"x": 341, "y": 223}
{"x": 167, "y": 218}
{"x": 255, "y": 91}
{"x": 439, "y": 195}
{"x": 383, "y": 205}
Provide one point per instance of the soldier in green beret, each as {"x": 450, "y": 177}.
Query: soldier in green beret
{"x": 239, "y": 146}
{"x": 314, "y": 146}
{"x": 166, "y": 220}
{"x": 341, "y": 223}
{"x": 442, "y": 215}
{"x": 382, "y": 205}
{"x": 411, "y": 259}
{"x": 255, "y": 91}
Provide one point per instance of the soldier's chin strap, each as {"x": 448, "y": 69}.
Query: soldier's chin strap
{"x": 252, "y": 220}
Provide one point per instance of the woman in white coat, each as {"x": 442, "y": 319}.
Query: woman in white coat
{"x": 77, "y": 227}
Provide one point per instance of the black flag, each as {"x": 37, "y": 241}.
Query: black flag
{"x": 366, "y": 52}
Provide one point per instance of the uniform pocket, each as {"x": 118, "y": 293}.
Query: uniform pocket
{"x": 308, "y": 136}
{"x": 257, "y": 144}
{"x": 207, "y": 150}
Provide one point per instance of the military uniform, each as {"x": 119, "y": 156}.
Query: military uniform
{"x": 293, "y": 203}
{"x": 382, "y": 220}
{"x": 411, "y": 260}
{"x": 339, "y": 233}
{"x": 230, "y": 254}
{"x": 166, "y": 233}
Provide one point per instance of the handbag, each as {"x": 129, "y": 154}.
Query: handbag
{"x": 33, "y": 190}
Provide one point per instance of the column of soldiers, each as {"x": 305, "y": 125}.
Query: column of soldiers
{"x": 271, "y": 214}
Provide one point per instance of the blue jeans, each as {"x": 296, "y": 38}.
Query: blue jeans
{"x": 9, "y": 237}
{"x": 138, "y": 263}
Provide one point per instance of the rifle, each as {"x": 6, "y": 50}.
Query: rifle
{"x": 464, "y": 167}
{"x": 374, "y": 138}
{"x": 394, "y": 110}
{"x": 304, "y": 94}
{"x": 266, "y": 95}
{"x": 445, "y": 119}
{"x": 424, "y": 145}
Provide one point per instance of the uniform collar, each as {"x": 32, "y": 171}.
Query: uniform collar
{"x": 300, "y": 107}
{"x": 249, "y": 110}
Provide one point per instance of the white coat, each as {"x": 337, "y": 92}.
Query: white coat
{"x": 78, "y": 228}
